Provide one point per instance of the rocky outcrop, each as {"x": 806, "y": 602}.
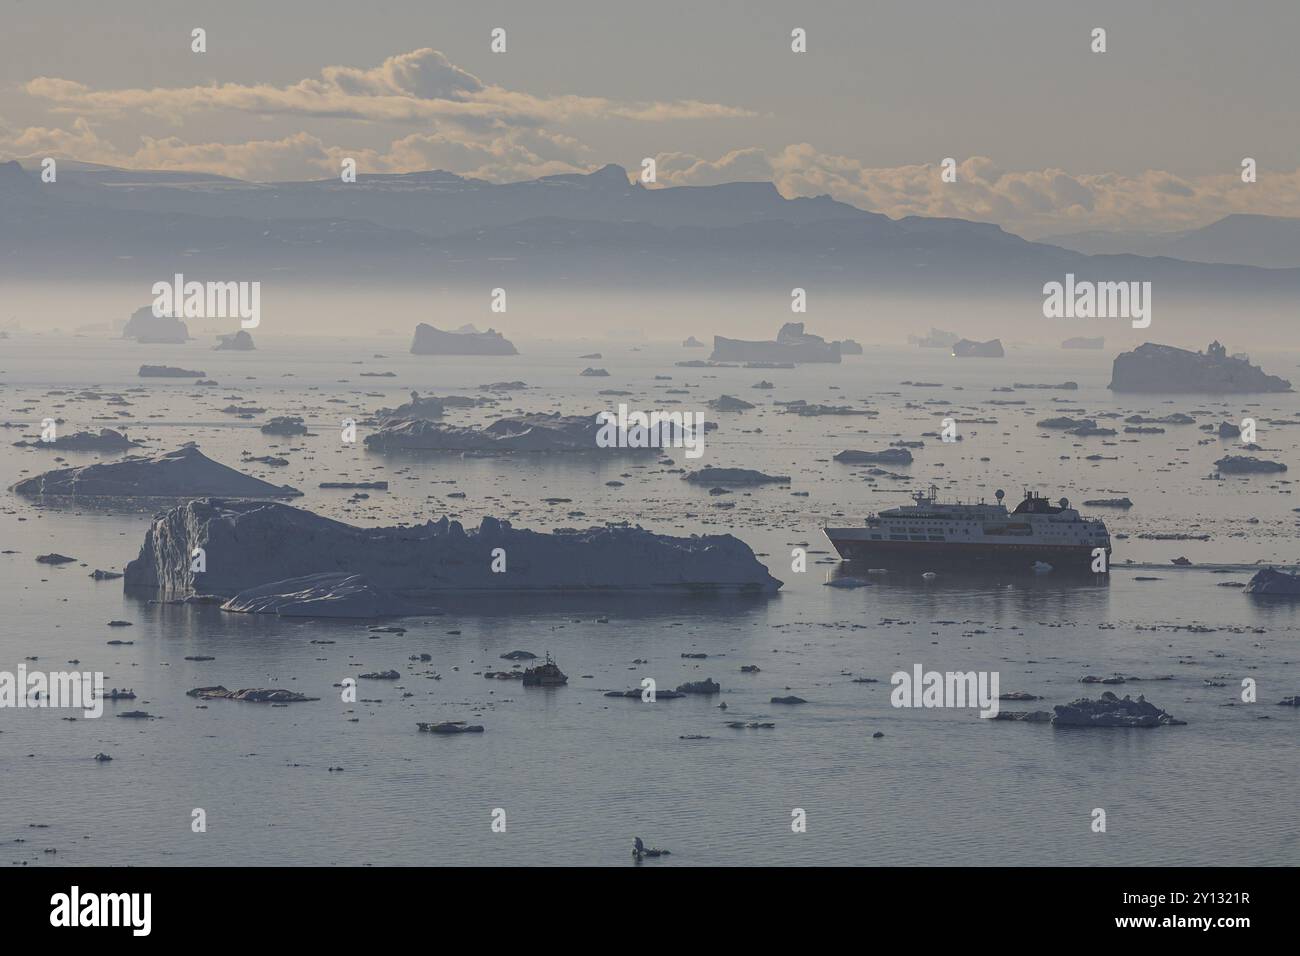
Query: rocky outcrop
{"x": 1270, "y": 582}
{"x": 1111, "y": 711}
{"x": 147, "y": 328}
{"x": 792, "y": 344}
{"x": 184, "y": 473}
{"x": 969, "y": 349}
{"x": 431, "y": 341}
{"x": 331, "y": 594}
{"x": 1164, "y": 368}
{"x": 248, "y": 544}
{"x": 239, "y": 341}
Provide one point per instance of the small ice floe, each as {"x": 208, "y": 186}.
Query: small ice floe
{"x": 847, "y": 583}
{"x": 1042, "y": 567}
{"x": 641, "y": 851}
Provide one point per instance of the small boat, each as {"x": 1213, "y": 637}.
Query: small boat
{"x": 546, "y": 674}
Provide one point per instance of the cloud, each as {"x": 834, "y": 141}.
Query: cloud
{"x": 506, "y": 155}
{"x": 414, "y": 87}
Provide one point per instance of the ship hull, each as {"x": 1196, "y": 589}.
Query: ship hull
{"x": 956, "y": 555}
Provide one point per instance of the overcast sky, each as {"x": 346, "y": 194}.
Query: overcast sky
{"x": 1149, "y": 135}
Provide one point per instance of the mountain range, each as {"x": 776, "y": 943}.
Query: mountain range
{"x": 596, "y": 231}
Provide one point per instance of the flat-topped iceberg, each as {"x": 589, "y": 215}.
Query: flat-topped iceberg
{"x": 248, "y": 544}
{"x": 1164, "y": 368}
{"x": 734, "y": 476}
{"x": 432, "y": 341}
{"x": 1247, "y": 465}
{"x": 969, "y": 349}
{"x": 184, "y": 473}
{"x": 792, "y": 344}
{"x": 107, "y": 439}
{"x": 887, "y": 456}
{"x": 170, "y": 371}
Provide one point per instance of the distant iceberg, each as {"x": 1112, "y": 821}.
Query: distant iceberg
{"x": 147, "y": 328}
{"x": 431, "y": 341}
{"x": 792, "y": 344}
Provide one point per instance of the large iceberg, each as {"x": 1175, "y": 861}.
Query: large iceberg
{"x": 1164, "y": 368}
{"x": 792, "y": 344}
{"x": 184, "y": 473}
{"x": 145, "y": 327}
{"x": 247, "y": 544}
{"x": 431, "y": 341}
{"x": 967, "y": 348}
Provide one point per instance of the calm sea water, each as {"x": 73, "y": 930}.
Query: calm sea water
{"x": 580, "y": 775}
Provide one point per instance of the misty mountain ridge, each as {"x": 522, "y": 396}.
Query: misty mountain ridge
{"x": 1271, "y": 242}
{"x": 583, "y": 232}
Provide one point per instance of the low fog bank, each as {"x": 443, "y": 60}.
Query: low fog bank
{"x": 354, "y": 309}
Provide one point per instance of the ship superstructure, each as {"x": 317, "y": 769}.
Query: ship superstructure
{"x": 931, "y": 532}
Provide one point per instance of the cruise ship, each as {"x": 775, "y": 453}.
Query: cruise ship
{"x": 980, "y": 535}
